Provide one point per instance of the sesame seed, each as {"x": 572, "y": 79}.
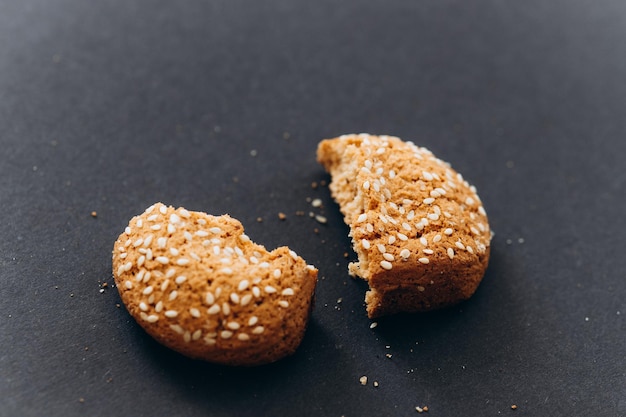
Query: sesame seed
{"x": 143, "y": 306}
{"x": 234, "y": 297}
{"x": 428, "y": 251}
{"x": 215, "y": 230}
{"x": 182, "y": 261}
{"x": 171, "y": 314}
{"x": 177, "y": 328}
{"x": 148, "y": 290}
{"x": 209, "y": 340}
{"x": 138, "y": 242}
{"x": 277, "y": 273}
{"x": 158, "y": 307}
{"x": 402, "y": 237}
{"x": 226, "y": 271}
{"x": 155, "y": 227}
{"x": 162, "y": 260}
{"x": 170, "y": 228}
{"x": 258, "y": 330}
{"x": 209, "y": 298}
{"x": 187, "y": 337}
{"x": 381, "y": 248}
{"x": 317, "y": 202}
{"x": 139, "y": 223}
{"x": 429, "y": 200}
{"x": 448, "y": 231}
{"x": 174, "y": 219}
{"x": 127, "y": 230}
{"x": 140, "y": 274}
{"x": 424, "y": 260}
{"x": 427, "y": 176}
{"x": 173, "y": 295}
{"x": 245, "y": 300}
{"x": 188, "y": 236}
{"x": 196, "y": 335}
{"x": 459, "y": 245}
{"x": 256, "y": 292}
{"x": 469, "y": 249}
{"x": 406, "y": 226}
{"x": 293, "y": 255}
{"x": 388, "y": 256}
{"x": 184, "y": 213}
{"x": 283, "y": 303}
{"x": 362, "y": 217}
{"x": 174, "y": 251}
{"x": 226, "y": 334}
{"x": 469, "y": 201}
{"x": 153, "y": 318}
{"x": 392, "y": 174}
{"x": 149, "y": 254}
{"x": 243, "y": 337}
{"x": 433, "y": 216}
{"x": 162, "y": 209}
{"x": 214, "y": 309}
{"x": 369, "y": 227}
{"x": 269, "y": 289}
{"x": 148, "y": 241}
{"x": 321, "y": 219}
{"x": 194, "y": 312}
{"x": 288, "y": 292}
{"x": 437, "y": 238}
{"x": 170, "y": 273}
{"x": 424, "y": 241}
{"x": 405, "y": 253}
{"x": 366, "y": 185}
{"x": 180, "y": 279}
{"x": 376, "y": 186}
{"x": 225, "y": 309}
{"x": 243, "y": 285}
{"x": 474, "y": 230}
{"x": 153, "y": 218}
{"x": 386, "y": 265}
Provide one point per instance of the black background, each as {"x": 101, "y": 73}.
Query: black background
{"x": 218, "y": 106}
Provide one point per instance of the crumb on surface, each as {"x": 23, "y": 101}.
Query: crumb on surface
{"x": 94, "y": 214}
{"x": 282, "y": 216}
{"x": 363, "y": 380}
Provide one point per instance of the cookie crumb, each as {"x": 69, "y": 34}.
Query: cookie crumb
{"x": 94, "y": 214}
{"x": 363, "y": 380}
{"x": 282, "y": 216}
{"x": 259, "y": 219}
{"x": 514, "y": 407}
{"x": 314, "y": 185}
{"x": 423, "y": 409}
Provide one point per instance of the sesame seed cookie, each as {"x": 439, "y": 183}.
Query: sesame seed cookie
{"x": 200, "y": 286}
{"x": 418, "y": 228}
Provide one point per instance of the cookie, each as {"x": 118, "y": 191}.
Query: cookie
{"x": 419, "y": 229}
{"x": 200, "y": 286}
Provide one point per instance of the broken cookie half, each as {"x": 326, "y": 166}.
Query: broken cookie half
{"x": 419, "y": 229}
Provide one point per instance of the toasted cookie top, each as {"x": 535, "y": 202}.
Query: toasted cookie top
{"x": 200, "y": 286}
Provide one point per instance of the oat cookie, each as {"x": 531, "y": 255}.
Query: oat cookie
{"x": 418, "y": 228}
{"x": 200, "y": 286}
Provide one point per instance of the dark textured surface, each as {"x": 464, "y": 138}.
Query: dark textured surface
{"x": 110, "y": 106}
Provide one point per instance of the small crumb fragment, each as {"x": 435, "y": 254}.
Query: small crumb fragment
{"x": 345, "y": 254}
{"x": 388, "y": 355}
{"x": 363, "y": 380}
{"x": 513, "y": 407}
{"x": 314, "y": 185}
{"x": 253, "y": 152}
{"x": 317, "y": 202}
{"x": 300, "y": 213}
{"x": 373, "y": 325}
{"x": 375, "y": 384}
{"x": 105, "y": 285}
{"x": 259, "y": 219}
{"x": 81, "y": 400}
{"x": 282, "y": 216}
{"x": 94, "y": 214}
{"x": 423, "y": 409}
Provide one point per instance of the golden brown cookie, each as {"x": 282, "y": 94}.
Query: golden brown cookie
{"x": 200, "y": 286}
{"x": 419, "y": 229}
